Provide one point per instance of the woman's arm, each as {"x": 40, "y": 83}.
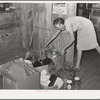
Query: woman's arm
{"x": 72, "y": 39}
{"x": 53, "y": 37}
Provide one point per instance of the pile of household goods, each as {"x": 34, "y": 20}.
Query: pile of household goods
{"x": 22, "y": 74}
{"x": 63, "y": 77}
{"x": 50, "y": 57}
{"x": 44, "y": 72}
{"x": 48, "y": 76}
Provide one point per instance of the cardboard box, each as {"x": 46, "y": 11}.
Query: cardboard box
{"x": 41, "y": 68}
{"x": 30, "y": 82}
{"x": 49, "y": 88}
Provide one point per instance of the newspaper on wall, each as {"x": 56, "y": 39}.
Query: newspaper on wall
{"x": 60, "y": 8}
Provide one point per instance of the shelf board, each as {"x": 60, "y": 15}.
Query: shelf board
{"x": 7, "y": 11}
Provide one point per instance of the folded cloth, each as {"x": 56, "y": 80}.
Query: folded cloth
{"x": 44, "y": 78}
{"x": 59, "y": 82}
{"x": 17, "y": 72}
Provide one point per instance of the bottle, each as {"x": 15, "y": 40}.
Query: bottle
{"x": 77, "y": 83}
{"x": 69, "y": 84}
{"x": 65, "y": 84}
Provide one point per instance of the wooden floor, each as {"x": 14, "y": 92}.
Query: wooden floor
{"x": 90, "y": 68}
{"x": 90, "y": 71}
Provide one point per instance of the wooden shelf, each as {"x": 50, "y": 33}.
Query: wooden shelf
{"x": 6, "y": 11}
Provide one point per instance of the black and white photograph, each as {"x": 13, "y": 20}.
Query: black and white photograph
{"x": 49, "y": 46}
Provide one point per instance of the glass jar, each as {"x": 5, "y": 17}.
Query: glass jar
{"x": 77, "y": 83}
{"x": 65, "y": 84}
{"x": 69, "y": 84}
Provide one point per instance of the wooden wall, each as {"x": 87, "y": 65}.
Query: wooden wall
{"x": 44, "y": 27}
{"x": 10, "y": 33}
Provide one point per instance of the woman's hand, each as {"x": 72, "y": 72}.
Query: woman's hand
{"x": 46, "y": 48}
{"x": 63, "y": 51}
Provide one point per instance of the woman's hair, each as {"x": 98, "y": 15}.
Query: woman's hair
{"x": 58, "y": 21}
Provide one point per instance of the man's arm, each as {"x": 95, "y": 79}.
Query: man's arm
{"x": 53, "y": 37}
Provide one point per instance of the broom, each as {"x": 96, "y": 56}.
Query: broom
{"x": 28, "y": 53}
